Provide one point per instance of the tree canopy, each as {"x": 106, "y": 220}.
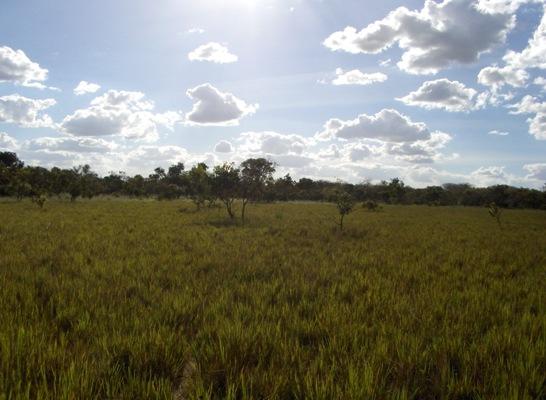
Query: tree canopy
{"x": 252, "y": 181}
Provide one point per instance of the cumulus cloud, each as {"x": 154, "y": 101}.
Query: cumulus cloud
{"x": 71, "y": 145}
{"x": 331, "y": 152}
{"x": 387, "y": 125}
{"x": 536, "y": 171}
{"x": 223, "y": 146}
{"x": 359, "y": 152}
{"x": 25, "y": 112}
{"x": 441, "y": 34}
{"x": 503, "y": 6}
{"x": 273, "y": 143}
{"x": 8, "y": 143}
{"x": 213, "y": 52}
{"x": 540, "y": 81}
{"x": 146, "y": 158}
{"x": 421, "y": 151}
{"x": 444, "y": 94}
{"x": 537, "y": 124}
{"x": 496, "y": 77}
{"x": 287, "y": 150}
{"x": 534, "y": 55}
{"x": 17, "y": 68}
{"x": 214, "y": 107}
{"x": 488, "y": 176}
{"x": 85, "y": 87}
{"x": 118, "y": 113}
{"x": 357, "y": 77}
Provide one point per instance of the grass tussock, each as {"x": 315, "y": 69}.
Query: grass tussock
{"x": 142, "y": 300}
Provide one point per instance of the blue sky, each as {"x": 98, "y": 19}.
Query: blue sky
{"x": 432, "y": 92}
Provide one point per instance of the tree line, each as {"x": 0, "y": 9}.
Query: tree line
{"x": 251, "y": 181}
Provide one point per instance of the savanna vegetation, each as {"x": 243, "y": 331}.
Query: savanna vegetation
{"x": 139, "y": 299}
{"x": 250, "y": 181}
{"x": 225, "y": 292}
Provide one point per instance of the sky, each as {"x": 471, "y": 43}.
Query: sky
{"x": 431, "y": 92}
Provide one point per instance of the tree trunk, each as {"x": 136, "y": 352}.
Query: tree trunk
{"x": 243, "y": 211}
{"x": 229, "y": 205}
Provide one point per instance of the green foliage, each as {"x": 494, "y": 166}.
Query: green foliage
{"x": 256, "y": 183}
{"x": 118, "y": 299}
{"x": 345, "y": 203}
{"x": 200, "y": 185}
{"x": 226, "y": 182}
{"x": 371, "y": 205}
{"x": 255, "y": 175}
{"x": 39, "y": 200}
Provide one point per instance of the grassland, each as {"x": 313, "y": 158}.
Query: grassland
{"x": 143, "y": 300}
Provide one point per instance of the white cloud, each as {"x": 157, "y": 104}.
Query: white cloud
{"x": 8, "y": 143}
{"x": 85, "y": 87}
{"x": 387, "y": 125}
{"x": 444, "y": 94}
{"x": 17, "y": 68}
{"x": 359, "y": 152}
{"x": 534, "y": 55}
{"x": 193, "y": 31}
{"x": 25, "y": 112}
{"x": 385, "y": 63}
{"x": 537, "y": 124}
{"x": 540, "y": 81}
{"x": 356, "y": 77}
{"x": 498, "y": 133}
{"x": 223, "y": 146}
{"x": 71, "y": 145}
{"x": 213, "y": 107}
{"x": 273, "y": 143}
{"x": 497, "y": 77}
{"x": 331, "y": 152}
{"x": 146, "y": 158}
{"x": 421, "y": 151}
{"x": 488, "y": 176}
{"x": 441, "y": 34}
{"x": 503, "y": 6}
{"x": 213, "y": 52}
{"x": 536, "y": 171}
{"x": 118, "y": 113}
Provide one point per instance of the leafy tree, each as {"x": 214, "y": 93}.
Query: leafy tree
{"x": 345, "y": 203}
{"x": 226, "y": 181}
{"x": 136, "y": 186}
{"x": 370, "y": 205}
{"x": 176, "y": 170}
{"x": 255, "y": 174}
{"x": 284, "y": 188}
{"x": 396, "y": 190}
{"x": 39, "y": 200}
{"x": 168, "y": 191}
{"x": 200, "y": 185}
{"x": 10, "y": 160}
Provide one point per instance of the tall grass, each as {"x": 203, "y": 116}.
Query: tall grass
{"x": 138, "y": 300}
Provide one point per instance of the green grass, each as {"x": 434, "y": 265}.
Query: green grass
{"x": 140, "y": 300}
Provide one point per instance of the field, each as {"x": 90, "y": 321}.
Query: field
{"x": 133, "y": 299}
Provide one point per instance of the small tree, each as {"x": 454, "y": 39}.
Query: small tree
{"x": 370, "y": 205}
{"x": 39, "y": 200}
{"x": 496, "y": 213}
{"x": 255, "y": 174}
{"x": 225, "y": 183}
{"x": 345, "y": 204}
{"x": 200, "y": 185}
